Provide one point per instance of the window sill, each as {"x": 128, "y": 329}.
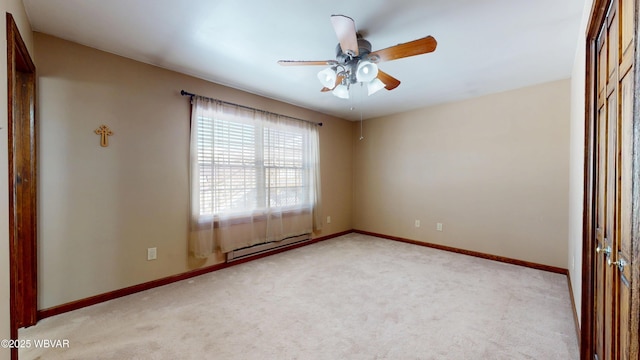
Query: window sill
{"x": 204, "y": 223}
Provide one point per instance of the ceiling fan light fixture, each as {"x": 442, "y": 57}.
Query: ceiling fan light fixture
{"x": 374, "y": 86}
{"x": 367, "y": 71}
{"x": 327, "y": 77}
{"x": 356, "y": 63}
{"x": 341, "y": 91}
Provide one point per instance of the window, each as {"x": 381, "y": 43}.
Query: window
{"x": 247, "y": 166}
{"x": 254, "y": 177}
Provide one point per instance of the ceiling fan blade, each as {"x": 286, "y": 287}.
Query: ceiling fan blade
{"x": 411, "y": 48}
{"x": 339, "y": 79}
{"x": 345, "y": 29}
{"x": 305, "y": 63}
{"x": 390, "y": 82}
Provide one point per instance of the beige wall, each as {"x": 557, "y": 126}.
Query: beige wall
{"x": 576, "y": 166}
{"x": 493, "y": 170}
{"x": 17, "y": 10}
{"x": 101, "y": 208}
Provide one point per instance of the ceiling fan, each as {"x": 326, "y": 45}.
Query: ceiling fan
{"x": 356, "y": 63}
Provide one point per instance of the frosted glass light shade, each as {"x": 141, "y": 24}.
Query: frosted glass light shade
{"x": 341, "y": 91}
{"x": 327, "y": 78}
{"x": 374, "y": 86}
{"x": 367, "y": 71}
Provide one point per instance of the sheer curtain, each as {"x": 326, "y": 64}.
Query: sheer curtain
{"x": 254, "y": 177}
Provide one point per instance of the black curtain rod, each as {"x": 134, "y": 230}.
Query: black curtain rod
{"x": 185, "y": 93}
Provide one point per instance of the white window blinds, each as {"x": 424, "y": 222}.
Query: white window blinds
{"x": 228, "y": 166}
{"x": 246, "y": 167}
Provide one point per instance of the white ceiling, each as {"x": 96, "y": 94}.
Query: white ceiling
{"x": 484, "y": 46}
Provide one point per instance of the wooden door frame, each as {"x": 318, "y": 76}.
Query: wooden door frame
{"x": 587, "y": 329}
{"x": 21, "y": 71}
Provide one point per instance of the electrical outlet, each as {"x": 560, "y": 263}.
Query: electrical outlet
{"x": 417, "y": 223}
{"x": 152, "y": 253}
{"x": 328, "y": 219}
{"x": 439, "y": 226}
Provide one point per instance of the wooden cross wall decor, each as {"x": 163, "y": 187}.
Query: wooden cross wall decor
{"x": 104, "y": 133}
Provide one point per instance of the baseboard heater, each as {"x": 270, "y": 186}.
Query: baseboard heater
{"x": 266, "y": 247}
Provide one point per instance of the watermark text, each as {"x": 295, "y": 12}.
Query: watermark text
{"x": 34, "y": 343}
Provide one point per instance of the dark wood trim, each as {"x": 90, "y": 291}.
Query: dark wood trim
{"x": 13, "y": 274}
{"x": 21, "y": 100}
{"x": 587, "y": 304}
{"x": 573, "y": 307}
{"x": 596, "y": 18}
{"x": 503, "y": 259}
{"x": 78, "y": 304}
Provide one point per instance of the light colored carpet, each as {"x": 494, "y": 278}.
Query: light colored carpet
{"x": 352, "y": 297}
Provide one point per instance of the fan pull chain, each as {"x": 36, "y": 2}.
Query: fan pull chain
{"x": 361, "y": 136}
{"x": 361, "y": 96}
